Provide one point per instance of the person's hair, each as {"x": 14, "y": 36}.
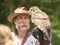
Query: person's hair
{"x": 15, "y": 30}
{"x": 5, "y": 31}
{"x": 5, "y": 34}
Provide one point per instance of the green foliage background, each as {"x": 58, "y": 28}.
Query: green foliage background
{"x": 51, "y": 7}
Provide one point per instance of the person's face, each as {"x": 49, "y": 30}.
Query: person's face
{"x": 21, "y": 22}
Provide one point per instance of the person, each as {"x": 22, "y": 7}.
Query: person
{"x": 21, "y": 21}
{"x": 5, "y": 35}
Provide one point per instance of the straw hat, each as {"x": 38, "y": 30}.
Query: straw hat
{"x": 21, "y": 10}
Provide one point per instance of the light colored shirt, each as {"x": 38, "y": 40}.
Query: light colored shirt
{"x": 30, "y": 40}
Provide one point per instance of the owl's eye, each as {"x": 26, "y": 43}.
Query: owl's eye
{"x": 31, "y": 10}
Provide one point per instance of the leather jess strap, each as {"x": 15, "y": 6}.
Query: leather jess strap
{"x": 25, "y": 38}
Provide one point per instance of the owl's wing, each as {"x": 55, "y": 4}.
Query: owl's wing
{"x": 41, "y": 15}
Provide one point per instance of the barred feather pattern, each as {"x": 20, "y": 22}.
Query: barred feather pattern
{"x": 40, "y": 20}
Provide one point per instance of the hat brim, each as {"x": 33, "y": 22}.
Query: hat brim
{"x": 12, "y": 15}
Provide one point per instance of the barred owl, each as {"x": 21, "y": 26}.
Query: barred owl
{"x": 40, "y": 20}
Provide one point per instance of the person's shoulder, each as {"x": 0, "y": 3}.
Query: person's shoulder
{"x": 32, "y": 37}
{"x": 31, "y": 40}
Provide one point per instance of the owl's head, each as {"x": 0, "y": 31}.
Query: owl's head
{"x": 33, "y": 10}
